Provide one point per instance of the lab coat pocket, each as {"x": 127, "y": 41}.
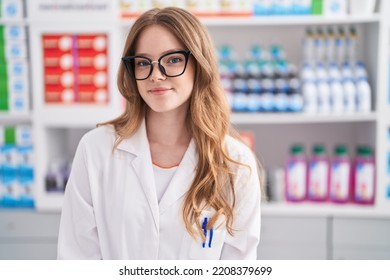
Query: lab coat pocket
{"x": 208, "y": 250}
{"x": 215, "y": 238}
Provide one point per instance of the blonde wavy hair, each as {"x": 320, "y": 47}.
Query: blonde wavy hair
{"x": 208, "y": 117}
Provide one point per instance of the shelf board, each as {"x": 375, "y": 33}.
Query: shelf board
{"x": 87, "y": 116}
{"x": 12, "y": 21}
{"x": 8, "y": 118}
{"x": 224, "y": 21}
{"x": 75, "y": 116}
{"x": 288, "y": 20}
{"x": 286, "y": 118}
{"x": 322, "y": 209}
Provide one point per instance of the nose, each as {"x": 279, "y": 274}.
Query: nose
{"x": 157, "y": 73}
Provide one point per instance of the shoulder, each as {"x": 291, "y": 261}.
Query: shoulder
{"x": 102, "y": 137}
{"x": 247, "y": 180}
{"x": 240, "y": 152}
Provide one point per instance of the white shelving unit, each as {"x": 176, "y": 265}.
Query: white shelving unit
{"x": 6, "y": 118}
{"x": 57, "y": 128}
{"x": 274, "y": 132}
{"x": 299, "y": 118}
{"x": 386, "y": 100}
{"x": 289, "y": 230}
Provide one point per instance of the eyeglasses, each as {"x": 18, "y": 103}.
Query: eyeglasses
{"x": 172, "y": 64}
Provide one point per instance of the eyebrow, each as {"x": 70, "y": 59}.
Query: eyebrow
{"x": 165, "y": 52}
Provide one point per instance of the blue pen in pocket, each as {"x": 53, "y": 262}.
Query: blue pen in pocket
{"x": 211, "y": 237}
{"x": 204, "y": 227}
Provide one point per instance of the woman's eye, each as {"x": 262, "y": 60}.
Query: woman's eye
{"x": 142, "y": 63}
{"x": 174, "y": 59}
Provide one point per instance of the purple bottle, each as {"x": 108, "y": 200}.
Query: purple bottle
{"x": 296, "y": 175}
{"x": 318, "y": 183}
{"x": 364, "y": 176}
{"x": 340, "y": 176}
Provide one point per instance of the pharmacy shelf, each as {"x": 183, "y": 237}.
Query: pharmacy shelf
{"x": 7, "y": 118}
{"x": 225, "y": 21}
{"x": 288, "y": 20}
{"x": 75, "y": 116}
{"x": 323, "y": 209}
{"x": 13, "y": 21}
{"x": 286, "y": 118}
{"x": 63, "y": 122}
{"x": 69, "y": 116}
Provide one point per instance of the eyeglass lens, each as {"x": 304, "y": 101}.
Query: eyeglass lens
{"x": 171, "y": 65}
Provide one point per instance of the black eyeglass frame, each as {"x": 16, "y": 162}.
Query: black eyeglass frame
{"x": 129, "y": 67}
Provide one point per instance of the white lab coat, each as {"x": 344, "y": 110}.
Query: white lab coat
{"x": 111, "y": 211}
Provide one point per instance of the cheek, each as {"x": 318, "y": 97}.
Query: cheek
{"x": 189, "y": 78}
{"x": 140, "y": 87}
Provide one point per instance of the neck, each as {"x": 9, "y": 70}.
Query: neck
{"x": 167, "y": 128}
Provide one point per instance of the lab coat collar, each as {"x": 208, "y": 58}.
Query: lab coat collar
{"x": 138, "y": 145}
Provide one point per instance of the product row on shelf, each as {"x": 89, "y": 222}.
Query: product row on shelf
{"x": 75, "y": 68}
{"x": 333, "y": 44}
{"x": 15, "y": 9}
{"x": 14, "y": 87}
{"x": 17, "y": 175}
{"x": 343, "y": 174}
{"x": 341, "y": 177}
{"x": 337, "y": 178}
{"x": 331, "y": 80}
{"x": 131, "y": 8}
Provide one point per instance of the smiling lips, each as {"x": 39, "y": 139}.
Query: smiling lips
{"x": 159, "y": 90}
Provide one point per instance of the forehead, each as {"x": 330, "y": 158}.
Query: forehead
{"x": 156, "y": 39}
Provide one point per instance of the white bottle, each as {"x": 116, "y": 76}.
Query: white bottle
{"x": 363, "y": 96}
{"x": 334, "y": 71}
{"x": 360, "y": 71}
{"x": 309, "y": 89}
{"x": 349, "y": 96}
{"x": 346, "y": 71}
{"x": 307, "y": 72}
{"x": 309, "y": 92}
{"x": 309, "y": 46}
{"x": 319, "y": 45}
{"x": 351, "y": 43}
{"x": 340, "y": 46}
{"x": 323, "y": 90}
{"x": 330, "y": 43}
{"x": 336, "y": 96}
{"x": 321, "y": 72}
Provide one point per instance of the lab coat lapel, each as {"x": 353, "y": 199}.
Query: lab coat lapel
{"x": 182, "y": 179}
{"x": 138, "y": 145}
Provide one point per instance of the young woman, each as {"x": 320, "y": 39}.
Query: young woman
{"x": 165, "y": 180}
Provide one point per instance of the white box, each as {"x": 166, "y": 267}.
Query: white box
{"x": 17, "y": 85}
{"x": 14, "y": 32}
{"x": 17, "y": 68}
{"x": 24, "y": 135}
{"x": 12, "y": 9}
{"x": 335, "y": 7}
{"x": 15, "y": 49}
{"x": 18, "y": 104}
{"x": 362, "y": 7}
